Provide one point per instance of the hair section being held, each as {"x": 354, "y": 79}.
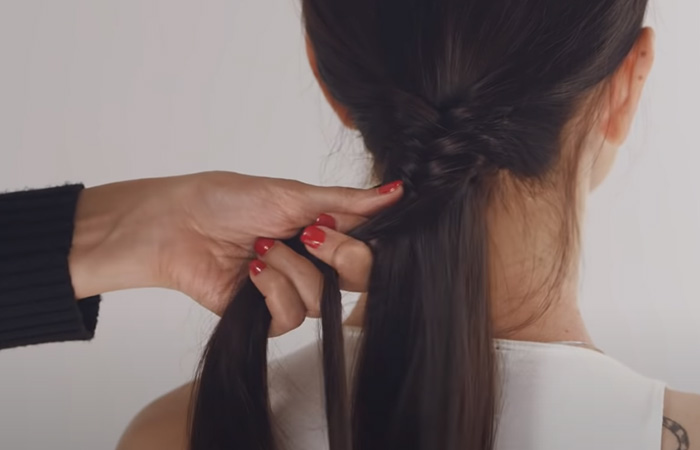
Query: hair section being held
{"x": 230, "y": 404}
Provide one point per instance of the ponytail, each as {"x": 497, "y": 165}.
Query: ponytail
{"x": 425, "y": 376}
{"x": 425, "y": 363}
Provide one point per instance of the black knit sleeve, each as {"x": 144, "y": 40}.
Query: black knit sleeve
{"x": 37, "y": 301}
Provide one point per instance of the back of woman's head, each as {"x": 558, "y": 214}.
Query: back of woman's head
{"x": 451, "y": 97}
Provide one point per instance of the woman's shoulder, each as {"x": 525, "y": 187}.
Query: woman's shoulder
{"x": 681, "y": 420}
{"x": 163, "y": 424}
{"x": 295, "y": 385}
{"x": 160, "y": 425}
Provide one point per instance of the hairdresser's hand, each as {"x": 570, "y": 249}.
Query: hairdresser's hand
{"x": 195, "y": 233}
{"x": 292, "y": 285}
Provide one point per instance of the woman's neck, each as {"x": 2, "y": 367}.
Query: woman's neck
{"x": 562, "y": 321}
{"x": 533, "y": 267}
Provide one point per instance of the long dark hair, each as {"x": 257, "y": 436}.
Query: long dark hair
{"x": 448, "y": 95}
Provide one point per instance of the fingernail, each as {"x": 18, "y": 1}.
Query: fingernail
{"x": 313, "y": 237}
{"x": 256, "y": 266}
{"x": 390, "y": 187}
{"x": 325, "y": 220}
{"x": 263, "y": 245}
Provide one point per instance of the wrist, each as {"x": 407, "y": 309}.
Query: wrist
{"x": 112, "y": 248}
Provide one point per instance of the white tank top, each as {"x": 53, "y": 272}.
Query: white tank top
{"x": 554, "y": 397}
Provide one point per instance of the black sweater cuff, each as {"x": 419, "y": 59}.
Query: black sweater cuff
{"x": 37, "y": 301}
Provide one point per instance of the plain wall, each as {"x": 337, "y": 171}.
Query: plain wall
{"x": 95, "y": 91}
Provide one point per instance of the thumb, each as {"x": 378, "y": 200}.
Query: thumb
{"x": 362, "y": 202}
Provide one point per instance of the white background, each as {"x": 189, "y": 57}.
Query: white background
{"x": 98, "y": 91}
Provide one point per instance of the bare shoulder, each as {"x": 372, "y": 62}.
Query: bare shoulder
{"x": 160, "y": 425}
{"x": 681, "y": 425}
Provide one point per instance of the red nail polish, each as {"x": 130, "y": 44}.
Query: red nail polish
{"x": 263, "y": 245}
{"x": 390, "y": 187}
{"x": 256, "y": 266}
{"x": 313, "y": 237}
{"x": 325, "y": 220}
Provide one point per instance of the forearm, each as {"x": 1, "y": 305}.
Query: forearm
{"x": 37, "y": 301}
{"x": 100, "y": 239}
{"x": 61, "y": 248}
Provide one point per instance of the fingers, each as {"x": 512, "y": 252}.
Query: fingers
{"x": 293, "y": 286}
{"x": 286, "y": 307}
{"x": 305, "y": 278}
{"x": 363, "y": 202}
{"x": 352, "y": 259}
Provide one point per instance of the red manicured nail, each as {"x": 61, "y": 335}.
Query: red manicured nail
{"x": 263, "y": 245}
{"x": 324, "y": 220}
{"x": 256, "y": 266}
{"x": 390, "y": 187}
{"x": 313, "y": 237}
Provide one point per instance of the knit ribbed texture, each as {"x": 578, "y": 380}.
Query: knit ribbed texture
{"x": 37, "y": 301}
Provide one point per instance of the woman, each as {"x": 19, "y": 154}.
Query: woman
{"x": 498, "y": 117}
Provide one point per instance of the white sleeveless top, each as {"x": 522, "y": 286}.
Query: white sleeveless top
{"x": 554, "y": 397}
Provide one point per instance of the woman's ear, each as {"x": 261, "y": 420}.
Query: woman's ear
{"x": 340, "y": 110}
{"x": 619, "y": 106}
{"x": 625, "y": 90}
